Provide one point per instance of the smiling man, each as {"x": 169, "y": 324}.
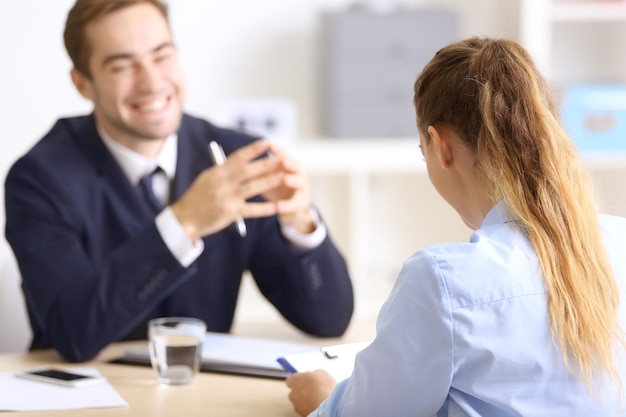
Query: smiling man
{"x": 120, "y": 216}
{"x": 132, "y": 75}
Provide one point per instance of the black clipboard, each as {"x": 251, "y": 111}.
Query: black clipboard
{"x": 214, "y": 367}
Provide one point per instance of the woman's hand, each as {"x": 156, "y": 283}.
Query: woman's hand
{"x": 309, "y": 389}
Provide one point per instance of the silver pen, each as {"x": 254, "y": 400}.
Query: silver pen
{"x": 218, "y": 156}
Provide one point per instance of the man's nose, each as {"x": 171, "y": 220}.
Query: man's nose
{"x": 148, "y": 77}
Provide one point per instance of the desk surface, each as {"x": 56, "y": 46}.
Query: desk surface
{"x": 209, "y": 395}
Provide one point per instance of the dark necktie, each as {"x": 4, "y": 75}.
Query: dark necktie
{"x": 147, "y": 192}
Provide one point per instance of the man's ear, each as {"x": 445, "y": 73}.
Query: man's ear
{"x": 441, "y": 142}
{"x": 82, "y": 84}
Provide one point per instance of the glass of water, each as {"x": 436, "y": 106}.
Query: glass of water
{"x": 175, "y": 348}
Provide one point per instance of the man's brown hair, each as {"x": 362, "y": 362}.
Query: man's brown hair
{"x": 85, "y": 11}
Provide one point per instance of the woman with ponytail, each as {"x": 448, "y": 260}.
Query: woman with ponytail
{"x": 526, "y": 318}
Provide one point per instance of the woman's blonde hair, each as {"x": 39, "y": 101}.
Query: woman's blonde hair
{"x": 492, "y": 95}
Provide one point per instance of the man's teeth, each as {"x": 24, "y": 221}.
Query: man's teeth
{"x": 154, "y": 105}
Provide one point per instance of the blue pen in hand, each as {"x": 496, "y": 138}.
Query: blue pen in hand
{"x": 286, "y": 365}
{"x": 218, "y": 156}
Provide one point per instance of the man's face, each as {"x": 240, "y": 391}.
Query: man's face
{"x": 136, "y": 83}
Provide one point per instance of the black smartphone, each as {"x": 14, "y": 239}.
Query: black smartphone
{"x": 60, "y": 377}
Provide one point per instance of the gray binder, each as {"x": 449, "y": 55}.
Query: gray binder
{"x": 369, "y": 62}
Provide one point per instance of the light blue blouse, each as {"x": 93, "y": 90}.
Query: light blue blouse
{"x": 465, "y": 332}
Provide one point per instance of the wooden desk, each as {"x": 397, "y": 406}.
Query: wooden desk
{"x": 209, "y": 395}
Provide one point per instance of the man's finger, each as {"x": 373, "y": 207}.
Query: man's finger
{"x": 250, "y": 152}
{"x": 258, "y": 209}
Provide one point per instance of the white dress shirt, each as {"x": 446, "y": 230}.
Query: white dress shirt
{"x": 465, "y": 333}
{"x": 135, "y": 166}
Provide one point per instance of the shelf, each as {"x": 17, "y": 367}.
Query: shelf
{"x": 588, "y": 11}
{"x": 360, "y": 156}
{"x": 396, "y": 156}
{"x": 576, "y": 21}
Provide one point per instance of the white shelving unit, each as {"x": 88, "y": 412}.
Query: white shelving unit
{"x": 540, "y": 21}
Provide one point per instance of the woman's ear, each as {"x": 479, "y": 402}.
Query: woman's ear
{"x": 441, "y": 143}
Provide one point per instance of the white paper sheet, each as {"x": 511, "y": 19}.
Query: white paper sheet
{"x": 337, "y": 360}
{"x": 18, "y": 394}
{"x": 248, "y": 350}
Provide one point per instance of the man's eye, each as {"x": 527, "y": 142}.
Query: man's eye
{"x": 118, "y": 68}
{"x": 162, "y": 57}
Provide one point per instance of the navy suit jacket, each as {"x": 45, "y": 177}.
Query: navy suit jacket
{"x": 95, "y": 268}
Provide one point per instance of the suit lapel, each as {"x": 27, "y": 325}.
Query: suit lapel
{"x": 193, "y": 157}
{"x": 123, "y": 200}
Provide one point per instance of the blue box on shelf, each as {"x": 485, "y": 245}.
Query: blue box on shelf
{"x": 594, "y": 116}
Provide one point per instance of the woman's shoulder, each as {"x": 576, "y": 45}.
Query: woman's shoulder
{"x": 495, "y": 246}
{"x": 490, "y": 267}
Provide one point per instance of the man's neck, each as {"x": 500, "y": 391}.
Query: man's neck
{"x": 147, "y": 147}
